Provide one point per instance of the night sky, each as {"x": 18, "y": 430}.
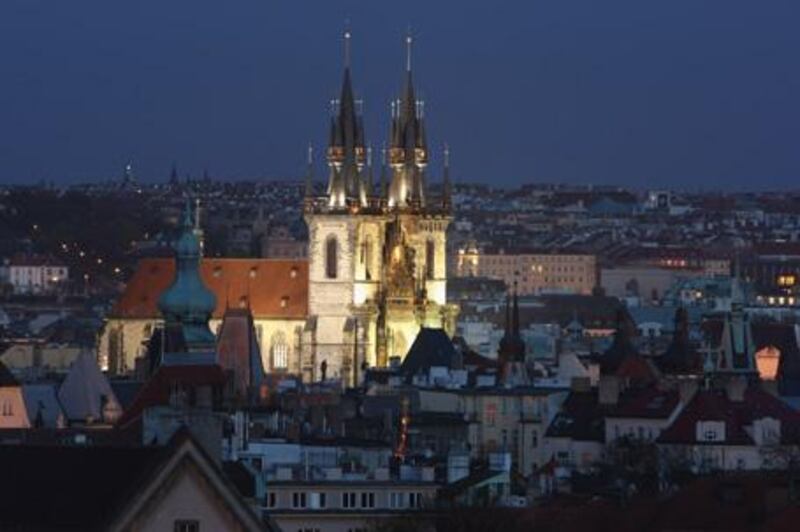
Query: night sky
{"x": 680, "y": 93}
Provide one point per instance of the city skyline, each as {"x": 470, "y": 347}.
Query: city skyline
{"x": 641, "y": 96}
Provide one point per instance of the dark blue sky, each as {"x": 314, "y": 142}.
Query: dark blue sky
{"x": 683, "y": 93}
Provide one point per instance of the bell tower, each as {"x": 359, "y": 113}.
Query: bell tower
{"x": 377, "y": 268}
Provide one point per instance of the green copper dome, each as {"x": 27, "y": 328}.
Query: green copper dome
{"x": 188, "y": 301}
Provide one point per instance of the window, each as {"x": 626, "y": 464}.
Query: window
{"x": 534, "y": 438}
{"x": 331, "y": 265}
{"x": 280, "y": 351}
{"x": 299, "y": 499}
{"x": 368, "y": 500}
{"x": 430, "y": 258}
{"x": 186, "y": 525}
{"x": 348, "y": 499}
{"x": 397, "y": 499}
{"x": 317, "y": 500}
{"x": 272, "y": 500}
{"x": 415, "y": 500}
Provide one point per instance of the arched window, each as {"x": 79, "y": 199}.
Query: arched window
{"x": 331, "y": 265}
{"x": 430, "y": 258}
{"x": 280, "y": 351}
{"x": 368, "y": 258}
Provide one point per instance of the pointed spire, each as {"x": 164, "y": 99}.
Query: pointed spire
{"x": 173, "y": 175}
{"x": 446, "y": 185}
{"x": 384, "y": 182}
{"x": 409, "y": 41}
{"x": 347, "y": 36}
{"x": 370, "y": 175}
{"x": 197, "y": 213}
{"x": 187, "y": 213}
{"x": 309, "y": 191}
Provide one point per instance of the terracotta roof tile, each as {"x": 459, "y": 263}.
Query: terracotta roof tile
{"x": 272, "y": 288}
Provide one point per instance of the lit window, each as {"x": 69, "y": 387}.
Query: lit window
{"x": 280, "y": 351}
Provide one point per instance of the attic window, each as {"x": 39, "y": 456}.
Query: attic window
{"x": 253, "y": 271}
{"x": 243, "y": 301}
{"x": 293, "y": 272}
{"x": 284, "y": 301}
{"x": 217, "y": 271}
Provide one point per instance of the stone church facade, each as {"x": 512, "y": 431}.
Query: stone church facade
{"x": 376, "y": 269}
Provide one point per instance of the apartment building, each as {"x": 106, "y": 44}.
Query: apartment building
{"x": 533, "y": 272}
{"x": 336, "y": 504}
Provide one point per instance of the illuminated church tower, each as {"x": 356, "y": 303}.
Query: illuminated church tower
{"x": 377, "y": 254}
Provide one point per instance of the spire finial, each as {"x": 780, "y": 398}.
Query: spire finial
{"x": 197, "y": 213}
{"x": 409, "y": 40}
{"x": 446, "y": 155}
{"x": 347, "y": 37}
{"x": 310, "y": 172}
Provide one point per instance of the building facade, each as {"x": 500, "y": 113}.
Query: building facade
{"x": 533, "y": 272}
{"x": 377, "y": 264}
{"x": 376, "y": 270}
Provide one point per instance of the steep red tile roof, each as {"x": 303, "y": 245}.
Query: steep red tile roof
{"x": 272, "y": 288}
{"x": 714, "y": 405}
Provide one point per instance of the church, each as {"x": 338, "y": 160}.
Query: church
{"x": 375, "y": 272}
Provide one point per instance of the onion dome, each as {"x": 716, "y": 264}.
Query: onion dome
{"x": 188, "y": 302}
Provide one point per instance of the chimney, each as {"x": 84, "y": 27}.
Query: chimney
{"x": 735, "y": 389}
{"x": 608, "y": 390}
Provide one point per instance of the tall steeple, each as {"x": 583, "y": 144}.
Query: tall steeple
{"x": 346, "y": 152}
{"x": 408, "y": 151}
{"x": 188, "y": 303}
{"x": 447, "y": 190}
{"x": 309, "y": 188}
{"x": 512, "y": 346}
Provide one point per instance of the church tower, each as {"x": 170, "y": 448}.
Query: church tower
{"x": 377, "y": 265}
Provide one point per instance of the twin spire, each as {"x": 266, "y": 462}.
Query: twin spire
{"x": 350, "y": 181}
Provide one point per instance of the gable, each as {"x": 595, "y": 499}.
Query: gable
{"x": 187, "y": 486}
{"x": 186, "y": 495}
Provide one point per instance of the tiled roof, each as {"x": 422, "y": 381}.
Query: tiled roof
{"x": 271, "y": 288}
{"x": 714, "y": 405}
{"x": 647, "y": 403}
{"x": 432, "y": 347}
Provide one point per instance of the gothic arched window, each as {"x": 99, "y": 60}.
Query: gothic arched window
{"x": 331, "y": 265}
{"x": 368, "y": 258}
{"x": 430, "y": 257}
{"x": 280, "y": 351}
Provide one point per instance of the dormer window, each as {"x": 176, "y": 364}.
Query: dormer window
{"x": 293, "y": 272}
{"x": 218, "y": 271}
{"x": 253, "y": 271}
{"x": 284, "y": 301}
